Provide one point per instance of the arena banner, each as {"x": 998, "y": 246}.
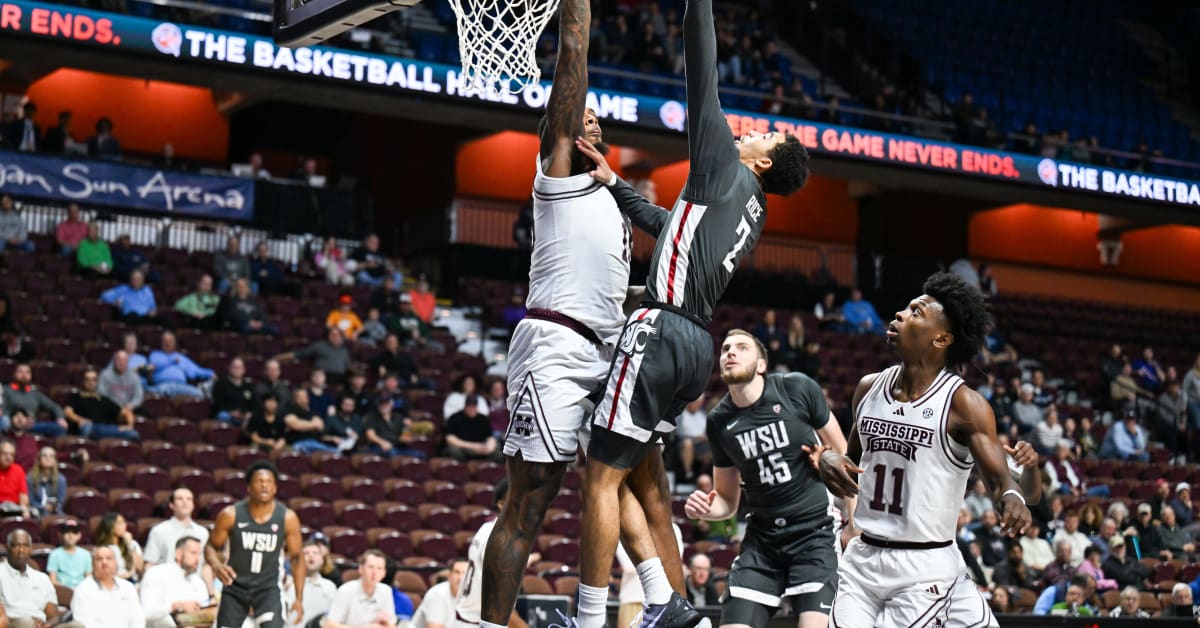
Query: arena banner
{"x": 199, "y": 45}
{"x": 106, "y": 183}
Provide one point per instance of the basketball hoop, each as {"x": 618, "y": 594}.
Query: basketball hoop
{"x": 497, "y": 40}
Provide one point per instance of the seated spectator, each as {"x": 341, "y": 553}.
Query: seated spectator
{"x": 1161, "y": 498}
{"x": 469, "y": 434}
{"x": 21, "y": 396}
{"x": 1043, "y": 394}
{"x": 978, "y": 501}
{"x": 1025, "y": 412}
{"x": 1048, "y": 433}
{"x": 14, "y": 487}
{"x": 319, "y": 591}
{"x": 164, "y": 537}
{"x": 70, "y": 232}
{"x": 1182, "y": 604}
{"x": 1122, "y": 566}
{"x": 768, "y": 330}
{"x": 231, "y": 264}
{"x": 233, "y": 395}
{"x": 304, "y": 426}
{"x": 1079, "y": 433}
{"x": 829, "y": 315}
{"x": 175, "y": 374}
{"x": 993, "y": 545}
{"x": 1113, "y": 362}
{"x": 1001, "y": 601}
{"x": 497, "y": 396}
{"x": 1066, "y": 476}
{"x": 374, "y": 331}
{"x": 1071, "y": 533}
{"x": 1171, "y": 420}
{"x": 1185, "y": 511}
{"x": 1124, "y": 389}
{"x": 265, "y": 272}
{"x": 330, "y": 355}
{"x": 861, "y": 316}
{"x": 1179, "y": 542}
{"x": 1091, "y": 567}
{"x": 272, "y": 382}
{"x": 106, "y": 600}
{"x": 134, "y": 302}
{"x": 200, "y": 306}
{"x": 1108, "y": 527}
{"x": 1036, "y": 551}
{"x": 332, "y": 260}
{"x": 345, "y": 426}
{"x": 423, "y": 300}
{"x": 93, "y": 415}
{"x": 365, "y": 601}
{"x": 372, "y": 266}
{"x": 1013, "y": 572}
{"x": 266, "y": 428}
{"x": 12, "y": 227}
{"x": 1060, "y": 569}
{"x": 104, "y": 145}
{"x": 26, "y": 444}
{"x": 69, "y": 564}
{"x": 1148, "y": 372}
{"x": 113, "y": 532}
{"x": 127, "y": 259}
{"x": 120, "y": 382}
{"x": 15, "y": 347}
{"x": 176, "y": 586}
{"x": 243, "y": 312}
{"x": 437, "y": 607}
{"x": 1126, "y": 441}
{"x": 386, "y": 429}
{"x": 1074, "y": 604}
{"x": 344, "y": 319}
{"x": 356, "y": 387}
{"x": 92, "y": 255}
{"x": 465, "y": 386}
{"x": 701, "y": 589}
{"x": 1130, "y": 605}
{"x": 320, "y": 399}
{"x": 409, "y": 326}
{"x": 809, "y": 362}
{"x": 997, "y": 349}
{"x": 691, "y": 435}
{"x": 26, "y": 594}
{"x": 47, "y": 487}
{"x": 387, "y": 297}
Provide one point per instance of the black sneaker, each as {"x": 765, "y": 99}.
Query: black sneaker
{"x": 676, "y": 613}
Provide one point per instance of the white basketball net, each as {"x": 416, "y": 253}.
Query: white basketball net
{"x": 497, "y": 40}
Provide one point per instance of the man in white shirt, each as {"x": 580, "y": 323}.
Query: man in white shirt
{"x": 319, "y": 591}
{"x": 691, "y": 432}
{"x": 104, "y": 600}
{"x": 437, "y": 607}
{"x": 1078, "y": 540}
{"x": 160, "y": 546}
{"x": 364, "y": 603}
{"x": 175, "y": 587}
{"x": 28, "y": 596}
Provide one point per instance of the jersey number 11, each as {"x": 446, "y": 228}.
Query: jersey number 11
{"x": 877, "y": 503}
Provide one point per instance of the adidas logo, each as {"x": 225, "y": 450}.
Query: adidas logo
{"x": 899, "y": 412}
{"x": 934, "y": 590}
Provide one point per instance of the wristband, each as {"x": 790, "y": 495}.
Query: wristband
{"x": 1014, "y": 492}
{"x": 613, "y": 181}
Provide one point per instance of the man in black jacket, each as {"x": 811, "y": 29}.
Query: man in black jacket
{"x": 1123, "y": 567}
{"x": 233, "y": 395}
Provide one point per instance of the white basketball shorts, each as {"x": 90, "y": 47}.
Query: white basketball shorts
{"x": 553, "y": 375}
{"x": 891, "y": 587}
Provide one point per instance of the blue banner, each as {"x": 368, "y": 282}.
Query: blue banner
{"x": 106, "y": 183}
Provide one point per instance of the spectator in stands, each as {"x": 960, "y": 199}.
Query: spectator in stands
{"x": 93, "y": 415}
{"x": 166, "y": 159}
{"x": 345, "y": 426}
{"x": 266, "y": 428}
{"x": 424, "y": 303}
{"x": 1182, "y": 604}
{"x": 768, "y": 330}
{"x": 795, "y": 341}
{"x": 1091, "y": 567}
{"x": 1126, "y": 441}
{"x": 164, "y": 537}
{"x": 1171, "y": 419}
{"x": 14, "y": 487}
{"x": 1026, "y": 413}
{"x": 265, "y": 272}
{"x": 1185, "y": 511}
{"x": 24, "y": 134}
{"x": 387, "y": 297}
{"x": 47, "y": 487}
{"x": 332, "y": 260}
{"x": 320, "y": 399}
{"x": 27, "y": 595}
{"x": 344, "y": 319}
{"x": 1149, "y": 372}
{"x": 21, "y": 396}
{"x": 127, "y": 259}
{"x": 1067, "y": 477}
{"x": 69, "y": 564}
{"x": 1179, "y": 542}
{"x": 469, "y": 434}
{"x": 497, "y": 396}
{"x": 231, "y": 264}
{"x": 113, "y": 532}
{"x": 1125, "y": 390}
{"x": 70, "y": 232}
{"x": 1113, "y": 362}
{"x": 1161, "y": 499}
{"x": 365, "y": 601}
{"x": 385, "y": 430}
{"x": 133, "y": 302}
{"x": 1191, "y": 394}
{"x": 104, "y": 144}
{"x": 374, "y": 331}
{"x": 691, "y": 435}
{"x": 395, "y": 360}
{"x": 437, "y": 607}
{"x": 106, "y": 600}
{"x": 1001, "y": 601}
{"x": 200, "y": 306}
{"x": 1061, "y": 568}
{"x": 120, "y": 382}
{"x": 12, "y": 227}
{"x": 829, "y": 315}
{"x": 328, "y": 570}
{"x": 1013, "y": 571}
{"x": 1043, "y": 395}
{"x": 176, "y": 586}
{"x": 978, "y": 501}
{"x": 15, "y": 347}
{"x": 243, "y": 312}
{"x": 1048, "y": 433}
{"x": 319, "y": 591}
{"x": 92, "y": 255}
{"x": 1074, "y": 603}
{"x": 1108, "y": 527}
{"x": 304, "y": 426}
{"x": 410, "y": 326}
{"x": 272, "y": 382}
{"x": 993, "y": 545}
{"x": 1071, "y": 533}
{"x": 861, "y": 315}
{"x": 465, "y": 386}
{"x": 59, "y": 140}
{"x": 963, "y": 114}
{"x": 372, "y": 266}
{"x": 701, "y": 589}
{"x": 175, "y": 374}
{"x": 1036, "y": 550}
{"x": 1130, "y": 605}
{"x": 1122, "y": 566}
{"x": 1030, "y": 143}
{"x": 329, "y": 355}
{"x": 257, "y": 170}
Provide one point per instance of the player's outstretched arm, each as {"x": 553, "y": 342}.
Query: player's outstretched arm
{"x": 216, "y": 545}
{"x": 973, "y": 423}
{"x": 568, "y": 98}
{"x": 646, "y": 215}
{"x": 710, "y": 140}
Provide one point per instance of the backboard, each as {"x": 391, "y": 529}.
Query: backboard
{"x": 311, "y": 22}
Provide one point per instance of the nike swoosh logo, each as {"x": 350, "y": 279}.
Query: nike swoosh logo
{"x": 732, "y": 423}
{"x": 243, "y": 524}
{"x": 830, "y": 606}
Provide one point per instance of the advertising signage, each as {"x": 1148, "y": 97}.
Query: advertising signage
{"x": 198, "y": 45}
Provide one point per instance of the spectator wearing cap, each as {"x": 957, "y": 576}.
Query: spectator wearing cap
{"x": 344, "y": 319}
{"x": 133, "y": 302}
{"x": 1185, "y": 511}
{"x": 329, "y": 355}
{"x": 14, "y": 488}
{"x": 385, "y": 430}
{"x": 1122, "y": 566}
{"x": 469, "y": 434}
{"x": 69, "y": 564}
{"x": 1126, "y": 441}
{"x": 1025, "y": 412}
{"x": 318, "y": 590}
{"x": 175, "y": 587}
{"x": 27, "y": 595}
{"x": 365, "y": 601}
{"x": 408, "y": 325}
{"x": 104, "y": 600}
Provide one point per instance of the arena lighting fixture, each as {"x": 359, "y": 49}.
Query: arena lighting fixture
{"x": 311, "y": 22}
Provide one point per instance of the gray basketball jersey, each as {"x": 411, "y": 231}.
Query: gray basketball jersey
{"x": 255, "y": 549}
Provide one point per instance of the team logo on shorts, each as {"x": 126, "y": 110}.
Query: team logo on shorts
{"x": 524, "y": 413}
{"x": 635, "y": 337}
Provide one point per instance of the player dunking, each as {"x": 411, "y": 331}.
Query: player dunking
{"x": 664, "y": 356}
{"x": 560, "y": 353}
{"x": 917, "y": 433}
{"x": 258, "y": 530}
{"x": 757, "y": 433}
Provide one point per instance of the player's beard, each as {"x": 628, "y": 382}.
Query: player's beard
{"x": 744, "y": 375}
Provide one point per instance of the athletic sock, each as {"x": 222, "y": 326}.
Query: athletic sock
{"x": 484, "y": 624}
{"x": 593, "y": 606}
{"x": 654, "y": 581}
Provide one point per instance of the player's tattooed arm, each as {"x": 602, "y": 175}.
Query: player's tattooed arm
{"x": 568, "y": 98}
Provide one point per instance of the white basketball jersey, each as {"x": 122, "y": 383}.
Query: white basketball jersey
{"x": 581, "y": 251}
{"x": 469, "y": 603}
{"x": 914, "y": 474}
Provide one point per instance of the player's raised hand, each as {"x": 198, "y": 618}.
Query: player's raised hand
{"x": 602, "y": 173}
{"x": 1014, "y": 515}
{"x": 1023, "y": 454}
{"x": 699, "y": 504}
{"x": 225, "y": 574}
{"x": 814, "y": 454}
{"x": 837, "y": 472}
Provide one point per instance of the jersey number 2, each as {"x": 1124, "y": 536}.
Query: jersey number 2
{"x": 744, "y": 229}
{"x": 876, "y": 503}
{"x": 773, "y": 470}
